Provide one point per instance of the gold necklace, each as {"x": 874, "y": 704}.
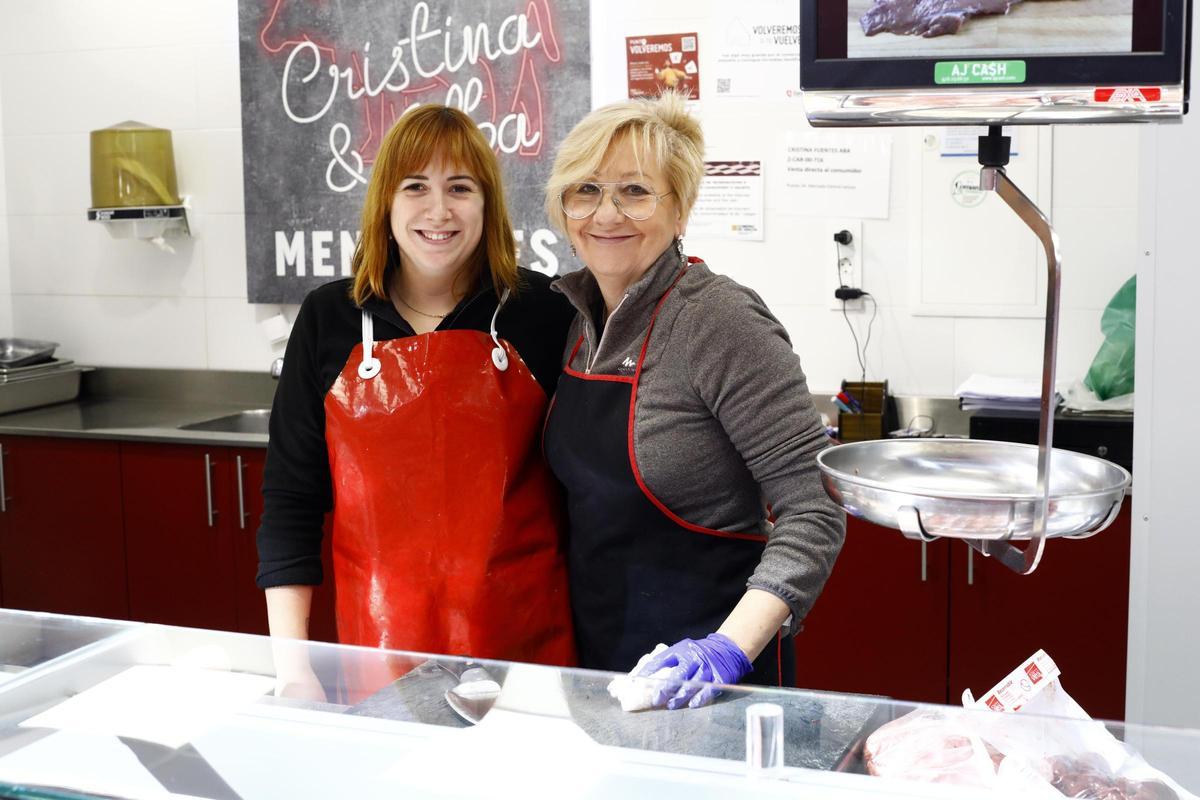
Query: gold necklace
{"x": 419, "y": 311}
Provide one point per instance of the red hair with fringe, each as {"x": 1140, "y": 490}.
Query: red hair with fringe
{"x": 422, "y": 135}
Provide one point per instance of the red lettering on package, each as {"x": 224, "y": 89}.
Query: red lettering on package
{"x": 1034, "y": 673}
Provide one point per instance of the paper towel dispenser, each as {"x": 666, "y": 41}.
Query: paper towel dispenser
{"x": 134, "y": 187}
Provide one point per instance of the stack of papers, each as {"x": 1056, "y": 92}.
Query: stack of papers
{"x": 1004, "y": 394}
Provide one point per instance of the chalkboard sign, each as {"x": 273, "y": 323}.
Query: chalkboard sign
{"x": 322, "y": 83}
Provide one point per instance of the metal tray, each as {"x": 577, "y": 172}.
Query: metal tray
{"x": 9, "y": 374}
{"x": 52, "y": 386}
{"x": 22, "y": 352}
{"x": 970, "y": 488}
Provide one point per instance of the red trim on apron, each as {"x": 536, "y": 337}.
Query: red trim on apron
{"x": 546, "y": 424}
{"x": 637, "y": 472}
{"x": 779, "y": 656}
{"x": 587, "y": 376}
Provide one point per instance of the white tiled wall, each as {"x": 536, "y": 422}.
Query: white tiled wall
{"x": 70, "y": 66}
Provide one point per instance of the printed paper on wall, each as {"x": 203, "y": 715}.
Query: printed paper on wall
{"x": 661, "y": 62}
{"x": 730, "y": 203}
{"x": 757, "y": 46}
{"x": 837, "y": 174}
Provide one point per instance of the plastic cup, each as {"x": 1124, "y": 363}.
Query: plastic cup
{"x": 764, "y": 740}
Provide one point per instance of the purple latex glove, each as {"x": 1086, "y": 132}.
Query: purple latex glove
{"x": 714, "y": 658}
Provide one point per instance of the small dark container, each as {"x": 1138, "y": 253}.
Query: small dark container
{"x": 877, "y": 416}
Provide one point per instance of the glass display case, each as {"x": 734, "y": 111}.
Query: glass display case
{"x": 144, "y": 711}
{"x": 29, "y": 640}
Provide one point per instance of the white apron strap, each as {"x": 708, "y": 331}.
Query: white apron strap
{"x": 369, "y": 366}
{"x": 499, "y": 356}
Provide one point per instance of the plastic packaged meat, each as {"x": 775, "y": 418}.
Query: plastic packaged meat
{"x": 1088, "y": 777}
{"x": 931, "y": 746}
{"x": 1026, "y": 737}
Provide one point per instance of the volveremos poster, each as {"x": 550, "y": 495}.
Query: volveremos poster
{"x": 663, "y": 61}
{"x": 755, "y": 49}
{"x": 322, "y": 83}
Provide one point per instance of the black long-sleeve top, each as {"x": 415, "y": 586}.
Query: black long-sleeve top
{"x": 297, "y": 487}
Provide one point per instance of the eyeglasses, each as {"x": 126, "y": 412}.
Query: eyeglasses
{"x": 635, "y": 200}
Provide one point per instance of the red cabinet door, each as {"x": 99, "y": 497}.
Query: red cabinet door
{"x": 879, "y": 627}
{"x": 246, "y": 491}
{"x": 1075, "y": 606}
{"x": 179, "y": 534}
{"x": 62, "y": 547}
{"x": 247, "y": 516}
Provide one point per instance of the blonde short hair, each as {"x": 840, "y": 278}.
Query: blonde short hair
{"x": 660, "y": 128}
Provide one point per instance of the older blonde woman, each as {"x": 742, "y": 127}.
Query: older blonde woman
{"x": 681, "y": 417}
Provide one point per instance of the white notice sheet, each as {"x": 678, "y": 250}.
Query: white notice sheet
{"x": 757, "y": 48}
{"x": 837, "y": 174}
{"x": 730, "y": 203}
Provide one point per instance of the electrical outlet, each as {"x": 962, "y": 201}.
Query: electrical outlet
{"x": 844, "y": 260}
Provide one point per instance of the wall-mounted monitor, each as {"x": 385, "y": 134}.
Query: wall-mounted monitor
{"x": 946, "y": 62}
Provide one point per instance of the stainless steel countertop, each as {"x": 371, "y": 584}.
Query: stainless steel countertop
{"x": 129, "y": 419}
{"x": 148, "y": 405}
{"x": 144, "y": 405}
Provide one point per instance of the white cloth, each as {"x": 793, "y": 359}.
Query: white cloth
{"x": 637, "y": 694}
{"x": 1081, "y": 398}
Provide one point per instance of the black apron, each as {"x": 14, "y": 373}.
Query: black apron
{"x": 638, "y": 574}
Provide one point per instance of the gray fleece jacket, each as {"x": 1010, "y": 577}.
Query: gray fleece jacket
{"x": 723, "y": 422}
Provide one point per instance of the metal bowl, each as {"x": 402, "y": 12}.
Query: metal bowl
{"x": 24, "y": 352}
{"x": 971, "y": 488}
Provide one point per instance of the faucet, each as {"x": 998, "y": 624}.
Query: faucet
{"x": 277, "y": 368}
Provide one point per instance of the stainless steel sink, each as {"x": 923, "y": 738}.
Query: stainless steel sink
{"x": 252, "y": 421}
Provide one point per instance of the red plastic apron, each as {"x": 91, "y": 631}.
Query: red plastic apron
{"x": 446, "y": 527}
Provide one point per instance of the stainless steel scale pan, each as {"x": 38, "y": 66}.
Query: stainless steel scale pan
{"x": 986, "y": 493}
{"x": 970, "y": 488}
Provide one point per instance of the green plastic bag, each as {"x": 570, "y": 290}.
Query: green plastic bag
{"x": 1111, "y": 373}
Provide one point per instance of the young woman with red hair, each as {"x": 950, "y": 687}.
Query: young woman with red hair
{"x": 411, "y": 405}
